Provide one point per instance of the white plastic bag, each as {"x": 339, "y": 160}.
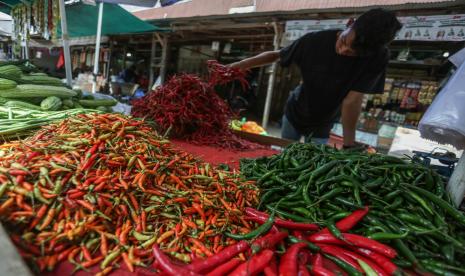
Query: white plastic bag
{"x": 444, "y": 121}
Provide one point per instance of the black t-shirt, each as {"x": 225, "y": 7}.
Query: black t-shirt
{"x": 327, "y": 78}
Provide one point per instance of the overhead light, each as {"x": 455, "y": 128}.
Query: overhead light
{"x": 446, "y": 54}
{"x": 129, "y": 55}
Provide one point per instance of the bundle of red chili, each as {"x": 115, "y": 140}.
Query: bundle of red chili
{"x": 98, "y": 189}
{"x": 189, "y": 108}
{"x": 322, "y": 252}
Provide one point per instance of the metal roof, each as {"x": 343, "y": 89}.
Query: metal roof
{"x": 204, "y": 8}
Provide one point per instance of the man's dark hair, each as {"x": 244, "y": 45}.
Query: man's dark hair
{"x": 374, "y": 30}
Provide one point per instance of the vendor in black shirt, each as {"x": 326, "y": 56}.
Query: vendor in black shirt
{"x": 337, "y": 68}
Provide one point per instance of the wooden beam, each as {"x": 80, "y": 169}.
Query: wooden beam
{"x": 221, "y": 26}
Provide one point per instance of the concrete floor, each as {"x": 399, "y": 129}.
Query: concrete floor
{"x": 11, "y": 262}
{"x": 274, "y": 129}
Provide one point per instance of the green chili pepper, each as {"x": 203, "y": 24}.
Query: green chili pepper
{"x": 334, "y": 230}
{"x": 109, "y": 258}
{"x": 405, "y": 251}
{"x": 141, "y": 237}
{"x": 265, "y": 227}
{"x": 345, "y": 266}
{"x": 287, "y": 215}
{"x": 366, "y": 268}
{"x": 313, "y": 247}
{"x": 380, "y": 236}
{"x": 38, "y": 195}
{"x": 451, "y": 210}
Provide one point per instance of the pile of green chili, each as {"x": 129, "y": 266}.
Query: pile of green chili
{"x": 409, "y": 208}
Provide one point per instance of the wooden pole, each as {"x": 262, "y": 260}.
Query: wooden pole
{"x": 65, "y": 38}
{"x": 97, "y": 46}
{"x": 271, "y": 80}
{"x": 164, "y": 59}
{"x": 153, "y": 53}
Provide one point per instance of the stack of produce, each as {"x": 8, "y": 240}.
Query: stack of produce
{"x": 191, "y": 109}
{"x": 100, "y": 189}
{"x": 409, "y": 208}
{"x": 42, "y": 100}
{"x": 248, "y": 126}
{"x": 307, "y": 250}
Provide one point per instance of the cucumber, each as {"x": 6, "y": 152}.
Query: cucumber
{"x": 97, "y": 103}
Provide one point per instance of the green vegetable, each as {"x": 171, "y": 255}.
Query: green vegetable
{"x": 7, "y": 84}
{"x": 68, "y": 103}
{"x": 409, "y": 208}
{"x": 37, "y": 91}
{"x": 51, "y": 103}
{"x": 22, "y": 104}
{"x": 97, "y": 103}
{"x": 12, "y": 71}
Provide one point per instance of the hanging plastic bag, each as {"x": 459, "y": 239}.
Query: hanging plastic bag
{"x": 444, "y": 121}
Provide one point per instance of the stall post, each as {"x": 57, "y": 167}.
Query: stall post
{"x": 97, "y": 46}
{"x": 152, "y": 60}
{"x": 164, "y": 56}
{"x": 65, "y": 38}
{"x": 272, "y": 77}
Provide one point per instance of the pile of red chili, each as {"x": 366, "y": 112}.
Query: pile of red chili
{"x": 189, "y": 108}
{"x": 307, "y": 251}
{"x": 102, "y": 189}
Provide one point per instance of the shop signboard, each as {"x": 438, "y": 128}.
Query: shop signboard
{"x": 419, "y": 28}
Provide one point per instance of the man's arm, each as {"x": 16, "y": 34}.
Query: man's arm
{"x": 257, "y": 61}
{"x": 351, "y": 108}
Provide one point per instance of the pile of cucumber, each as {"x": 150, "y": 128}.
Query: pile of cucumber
{"x": 29, "y": 99}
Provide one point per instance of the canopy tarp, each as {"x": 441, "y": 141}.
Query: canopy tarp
{"x": 82, "y": 19}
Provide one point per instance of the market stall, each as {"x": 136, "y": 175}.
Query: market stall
{"x": 82, "y": 37}
{"x": 101, "y": 193}
{"x": 173, "y": 189}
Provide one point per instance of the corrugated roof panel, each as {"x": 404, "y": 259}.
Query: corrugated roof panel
{"x": 222, "y": 7}
{"x": 291, "y": 5}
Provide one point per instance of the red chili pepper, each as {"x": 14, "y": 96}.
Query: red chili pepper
{"x": 321, "y": 271}
{"x": 168, "y": 267}
{"x": 386, "y": 264}
{"x": 86, "y": 205}
{"x": 348, "y": 222}
{"x": 89, "y": 162}
{"x": 261, "y": 217}
{"x": 356, "y": 257}
{"x": 272, "y": 268}
{"x": 355, "y": 240}
{"x": 15, "y": 172}
{"x": 288, "y": 263}
{"x": 219, "y": 258}
{"x": 255, "y": 265}
{"x": 303, "y": 271}
{"x": 337, "y": 252}
{"x": 86, "y": 253}
{"x": 268, "y": 241}
{"x": 225, "y": 268}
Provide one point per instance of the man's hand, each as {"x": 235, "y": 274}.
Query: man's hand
{"x": 351, "y": 108}
{"x": 257, "y": 61}
{"x": 239, "y": 65}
